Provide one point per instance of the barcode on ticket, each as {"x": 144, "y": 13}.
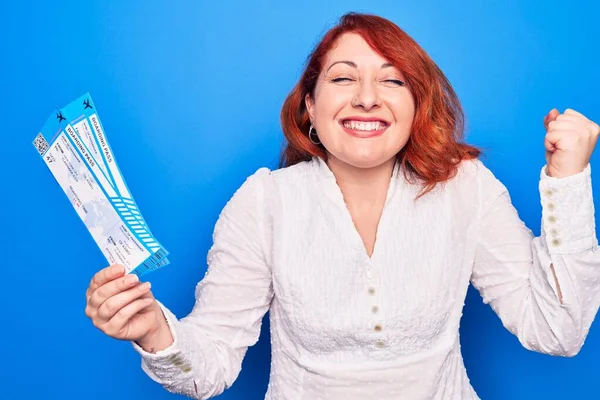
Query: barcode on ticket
{"x": 41, "y": 144}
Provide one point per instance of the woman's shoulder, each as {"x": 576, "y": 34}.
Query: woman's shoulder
{"x": 472, "y": 177}
{"x": 283, "y": 173}
{"x": 472, "y": 167}
{"x": 473, "y": 170}
{"x": 292, "y": 172}
{"x": 269, "y": 181}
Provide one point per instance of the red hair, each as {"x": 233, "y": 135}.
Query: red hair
{"x": 434, "y": 149}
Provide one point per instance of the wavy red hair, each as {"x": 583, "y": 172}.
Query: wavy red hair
{"x": 434, "y": 149}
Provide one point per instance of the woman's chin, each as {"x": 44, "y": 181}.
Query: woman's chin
{"x": 364, "y": 159}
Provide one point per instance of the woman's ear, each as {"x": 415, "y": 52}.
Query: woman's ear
{"x": 310, "y": 106}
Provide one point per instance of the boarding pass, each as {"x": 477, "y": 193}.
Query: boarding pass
{"x": 74, "y": 146}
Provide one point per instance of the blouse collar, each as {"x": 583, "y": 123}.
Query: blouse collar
{"x": 333, "y": 190}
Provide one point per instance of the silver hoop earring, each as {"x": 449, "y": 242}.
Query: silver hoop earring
{"x": 310, "y": 134}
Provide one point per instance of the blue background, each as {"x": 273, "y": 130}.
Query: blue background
{"x": 190, "y": 94}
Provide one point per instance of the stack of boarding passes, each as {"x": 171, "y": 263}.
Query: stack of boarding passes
{"x": 74, "y": 146}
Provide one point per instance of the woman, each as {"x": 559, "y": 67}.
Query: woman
{"x": 362, "y": 247}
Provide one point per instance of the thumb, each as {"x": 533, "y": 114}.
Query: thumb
{"x": 551, "y": 116}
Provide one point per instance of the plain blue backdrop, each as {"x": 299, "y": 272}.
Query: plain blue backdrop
{"x": 190, "y": 93}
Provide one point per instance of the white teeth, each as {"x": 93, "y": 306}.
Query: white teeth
{"x": 364, "y": 126}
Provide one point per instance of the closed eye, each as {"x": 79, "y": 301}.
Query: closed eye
{"x": 340, "y": 79}
{"x": 396, "y": 81}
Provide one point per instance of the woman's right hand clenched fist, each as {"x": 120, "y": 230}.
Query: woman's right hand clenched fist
{"x": 122, "y": 307}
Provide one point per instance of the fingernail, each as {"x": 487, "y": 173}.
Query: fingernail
{"x": 145, "y": 286}
{"x": 132, "y": 279}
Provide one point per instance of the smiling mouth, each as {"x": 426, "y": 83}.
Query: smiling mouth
{"x": 364, "y": 126}
{"x": 364, "y": 129}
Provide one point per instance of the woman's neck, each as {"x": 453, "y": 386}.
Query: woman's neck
{"x": 363, "y": 188}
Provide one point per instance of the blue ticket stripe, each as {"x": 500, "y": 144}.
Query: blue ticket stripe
{"x": 127, "y": 208}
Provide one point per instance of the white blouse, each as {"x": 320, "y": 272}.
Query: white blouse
{"x": 348, "y": 326}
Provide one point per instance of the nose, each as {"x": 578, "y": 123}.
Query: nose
{"x": 367, "y": 96}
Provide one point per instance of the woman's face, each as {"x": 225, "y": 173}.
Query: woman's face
{"x": 362, "y": 109}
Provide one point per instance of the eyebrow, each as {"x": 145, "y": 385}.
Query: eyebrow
{"x": 353, "y": 64}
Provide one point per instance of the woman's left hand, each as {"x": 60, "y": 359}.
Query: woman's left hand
{"x": 570, "y": 141}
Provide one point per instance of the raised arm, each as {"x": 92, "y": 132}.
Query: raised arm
{"x": 546, "y": 290}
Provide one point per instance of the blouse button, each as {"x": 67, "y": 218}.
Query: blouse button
{"x": 555, "y": 242}
{"x": 377, "y": 328}
{"x": 374, "y": 309}
{"x": 371, "y": 290}
{"x": 552, "y": 219}
{"x": 369, "y": 274}
{"x": 379, "y": 343}
{"x": 550, "y": 206}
